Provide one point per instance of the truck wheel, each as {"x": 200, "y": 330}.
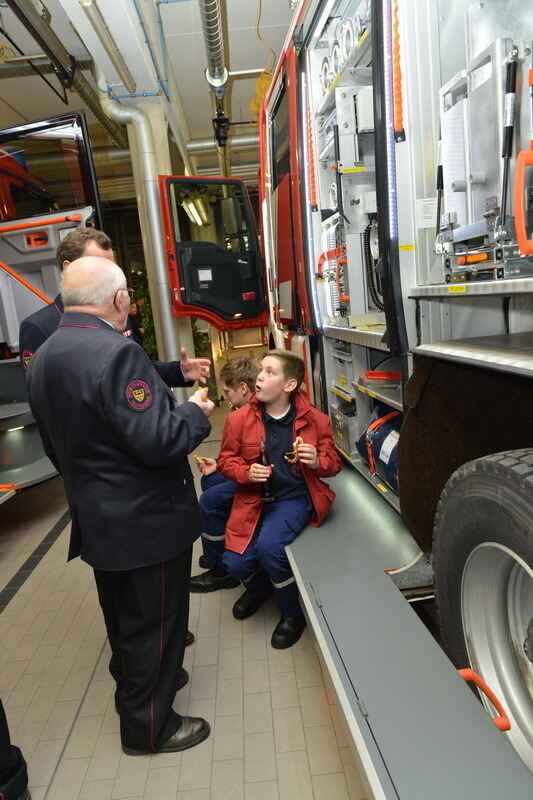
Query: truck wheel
{"x": 483, "y": 569}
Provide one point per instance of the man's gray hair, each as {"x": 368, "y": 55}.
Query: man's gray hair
{"x": 98, "y": 290}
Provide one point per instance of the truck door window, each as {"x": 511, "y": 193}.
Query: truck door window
{"x": 46, "y": 166}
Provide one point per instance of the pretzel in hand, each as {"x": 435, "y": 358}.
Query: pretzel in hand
{"x": 293, "y": 457}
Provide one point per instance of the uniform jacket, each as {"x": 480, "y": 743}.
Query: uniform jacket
{"x": 35, "y": 329}
{"x": 112, "y": 429}
{"x": 243, "y": 433}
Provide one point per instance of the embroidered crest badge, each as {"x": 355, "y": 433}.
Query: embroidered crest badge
{"x": 26, "y": 357}
{"x": 138, "y": 395}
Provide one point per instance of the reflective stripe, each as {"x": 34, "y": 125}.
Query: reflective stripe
{"x": 246, "y": 580}
{"x": 283, "y": 584}
{"x": 214, "y": 538}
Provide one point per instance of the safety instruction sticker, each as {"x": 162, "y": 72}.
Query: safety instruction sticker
{"x": 388, "y": 446}
{"x": 426, "y": 212}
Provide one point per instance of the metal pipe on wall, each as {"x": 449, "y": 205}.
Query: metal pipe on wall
{"x": 242, "y": 142}
{"x": 49, "y": 41}
{"x": 168, "y": 342}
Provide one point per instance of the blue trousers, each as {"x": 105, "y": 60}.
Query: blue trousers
{"x": 264, "y": 563}
{"x": 215, "y": 506}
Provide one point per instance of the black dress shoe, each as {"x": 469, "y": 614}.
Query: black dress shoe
{"x": 209, "y": 582}
{"x": 248, "y": 603}
{"x": 203, "y": 564}
{"x": 189, "y": 639}
{"x": 191, "y": 732}
{"x": 183, "y": 681}
{"x": 287, "y": 632}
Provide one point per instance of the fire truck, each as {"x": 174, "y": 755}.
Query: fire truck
{"x": 396, "y": 205}
{"x": 397, "y": 218}
{"x": 396, "y": 199}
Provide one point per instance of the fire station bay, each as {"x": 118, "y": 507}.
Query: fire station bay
{"x": 266, "y": 392}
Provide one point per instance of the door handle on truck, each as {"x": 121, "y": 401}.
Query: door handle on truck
{"x": 502, "y": 722}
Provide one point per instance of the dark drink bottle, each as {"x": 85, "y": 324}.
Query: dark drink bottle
{"x": 265, "y": 489}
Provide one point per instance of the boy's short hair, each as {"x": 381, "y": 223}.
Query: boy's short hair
{"x": 73, "y": 245}
{"x": 291, "y": 364}
{"x": 239, "y": 370}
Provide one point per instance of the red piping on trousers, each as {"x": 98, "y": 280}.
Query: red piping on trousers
{"x": 152, "y": 742}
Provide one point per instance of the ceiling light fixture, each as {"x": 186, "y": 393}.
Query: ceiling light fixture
{"x": 108, "y": 43}
{"x": 192, "y": 212}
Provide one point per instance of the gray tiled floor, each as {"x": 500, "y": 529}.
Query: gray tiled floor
{"x": 276, "y": 733}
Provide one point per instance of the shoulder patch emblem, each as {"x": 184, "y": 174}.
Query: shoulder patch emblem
{"x": 26, "y": 357}
{"x": 139, "y": 395}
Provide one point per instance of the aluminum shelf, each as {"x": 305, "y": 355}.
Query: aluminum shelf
{"x": 512, "y": 352}
{"x": 6, "y": 495}
{"x": 390, "y": 396}
{"x": 27, "y": 475}
{"x": 349, "y": 398}
{"x": 506, "y": 286}
{"x": 8, "y": 410}
{"x": 367, "y": 337}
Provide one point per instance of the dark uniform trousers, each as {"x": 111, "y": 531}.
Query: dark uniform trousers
{"x": 13, "y": 771}
{"x": 146, "y": 612}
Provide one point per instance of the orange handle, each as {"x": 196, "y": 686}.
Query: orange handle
{"x": 523, "y": 160}
{"x": 24, "y": 282}
{"x": 40, "y": 223}
{"x": 502, "y": 722}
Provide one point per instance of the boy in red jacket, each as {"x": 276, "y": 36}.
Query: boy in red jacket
{"x": 257, "y": 532}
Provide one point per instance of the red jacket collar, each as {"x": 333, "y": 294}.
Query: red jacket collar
{"x": 299, "y": 400}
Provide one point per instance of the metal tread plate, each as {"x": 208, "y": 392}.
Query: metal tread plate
{"x": 417, "y": 728}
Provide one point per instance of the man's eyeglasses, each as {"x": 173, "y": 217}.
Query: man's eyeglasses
{"x": 129, "y": 290}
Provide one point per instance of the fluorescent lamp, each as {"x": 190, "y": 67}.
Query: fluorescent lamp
{"x": 323, "y": 19}
{"x": 10, "y": 430}
{"x": 200, "y": 207}
{"x": 192, "y": 212}
{"x": 108, "y": 43}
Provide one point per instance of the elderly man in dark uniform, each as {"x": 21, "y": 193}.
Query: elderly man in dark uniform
{"x": 111, "y": 427}
{"x": 35, "y": 329}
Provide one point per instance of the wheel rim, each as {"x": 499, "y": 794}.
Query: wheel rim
{"x": 497, "y": 613}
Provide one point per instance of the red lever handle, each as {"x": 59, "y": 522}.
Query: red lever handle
{"x": 502, "y": 722}
{"x": 524, "y": 159}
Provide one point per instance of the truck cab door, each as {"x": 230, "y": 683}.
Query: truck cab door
{"x": 47, "y": 188}
{"x": 213, "y": 256}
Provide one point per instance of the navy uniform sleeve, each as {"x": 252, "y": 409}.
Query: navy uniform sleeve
{"x": 143, "y": 413}
{"x": 48, "y": 449}
{"x": 31, "y": 337}
{"x": 170, "y": 372}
